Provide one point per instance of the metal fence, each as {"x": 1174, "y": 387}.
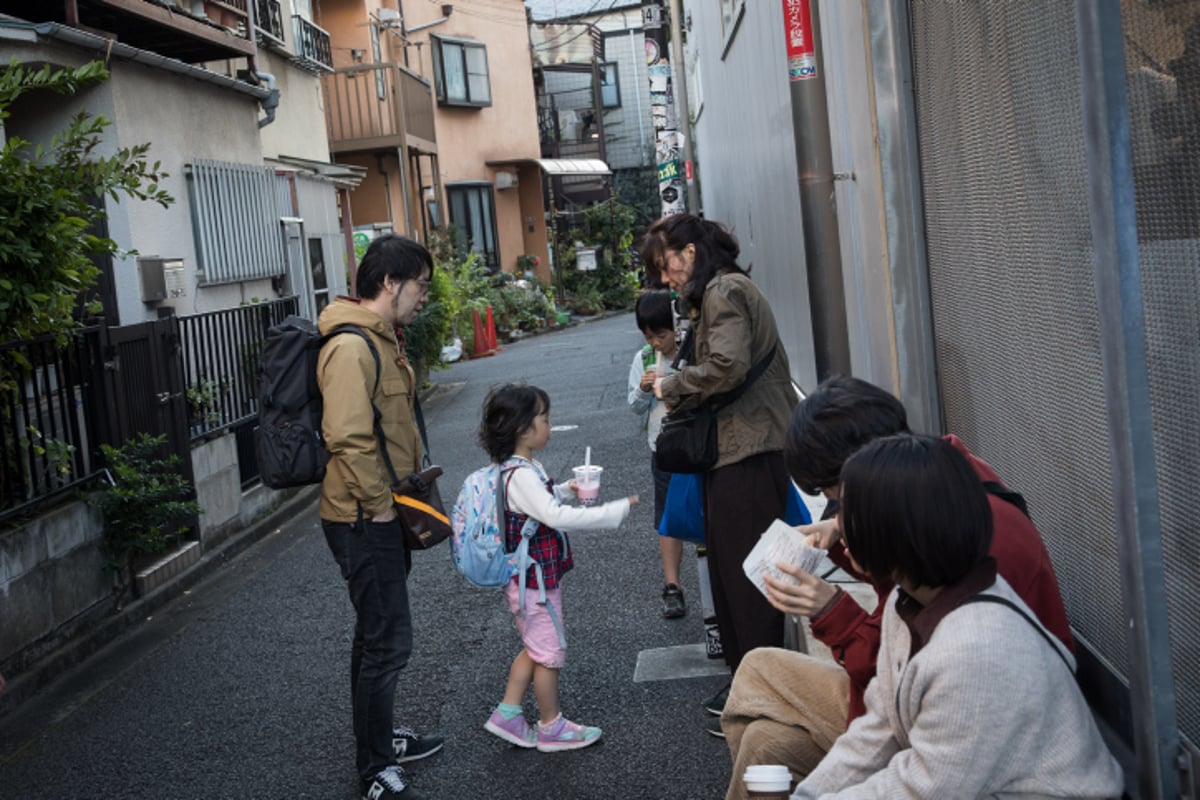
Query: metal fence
{"x": 53, "y": 418}
{"x": 220, "y": 352}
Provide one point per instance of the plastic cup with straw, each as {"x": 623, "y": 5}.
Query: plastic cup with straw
{"x": 587, "y": 480}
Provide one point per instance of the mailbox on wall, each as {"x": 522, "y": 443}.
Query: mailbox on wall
{"x": 162, "y": 278}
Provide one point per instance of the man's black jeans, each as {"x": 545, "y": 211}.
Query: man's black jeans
{"x": 374, "y": 563}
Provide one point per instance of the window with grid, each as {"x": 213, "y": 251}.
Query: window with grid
{"x": 461, "y": 72}
{"x": 473, "y": 212}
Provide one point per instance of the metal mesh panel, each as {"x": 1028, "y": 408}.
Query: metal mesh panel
{"x": 1015, "y": 321}
{"x": 1162, "y": 50}
{"x": 1015, "y": 314}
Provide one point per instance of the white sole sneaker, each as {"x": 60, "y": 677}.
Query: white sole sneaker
{"x": 508, "y": 736}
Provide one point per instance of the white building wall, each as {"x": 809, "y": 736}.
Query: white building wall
{"x": 299, "y": 126}
{"x": 628, "y": 133}
{"x": 747, "y": 161}
{"x": 183, "y": 120}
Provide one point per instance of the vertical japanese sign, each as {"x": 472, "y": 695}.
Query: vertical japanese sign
{"x": 667, "y": 147}
{"x": 801, "y": 51}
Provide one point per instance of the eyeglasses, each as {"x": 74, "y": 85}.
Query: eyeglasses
{"x": 423, "y": 284}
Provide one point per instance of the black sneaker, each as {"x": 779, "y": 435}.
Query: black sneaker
{"x": 673, "y": 605}
{"x": 408, "y": 745}
{"x": 716, "y": 704}
{"x": 389, "y": 784}
{"x": 713, "y": 727}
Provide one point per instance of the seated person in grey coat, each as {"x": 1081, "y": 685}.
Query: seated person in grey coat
{"x": 972, "y": 697}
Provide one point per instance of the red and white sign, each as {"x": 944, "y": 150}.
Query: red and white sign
{"x": 801, "y": 49}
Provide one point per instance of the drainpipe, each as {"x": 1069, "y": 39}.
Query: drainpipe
{"x": 271, "y": 101}
{"x": 818, "y": 210}
{"x": 387, "y": 187}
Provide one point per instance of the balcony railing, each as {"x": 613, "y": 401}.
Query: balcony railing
{"x": 313, "y": 51}
{"x": 373, "y": 106}
{"x": 268, "y": 19}
{"x": 191, "y": 31}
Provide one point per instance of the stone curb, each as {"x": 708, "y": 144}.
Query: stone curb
{"x": 110, "y": 627}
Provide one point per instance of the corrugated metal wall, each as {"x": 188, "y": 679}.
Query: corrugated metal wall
{"x": 747, "y": 154}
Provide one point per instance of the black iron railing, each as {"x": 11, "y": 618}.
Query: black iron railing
{"x": 53, "y": 417}
{"x": 268, "y": 18}
{"x": 313, "y": 50}
{"x": 220, "y": 352}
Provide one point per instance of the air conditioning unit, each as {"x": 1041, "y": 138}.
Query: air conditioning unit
{"x": 506, "y": 180}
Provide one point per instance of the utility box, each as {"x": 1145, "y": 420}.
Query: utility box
{"x": 162, "y": 278}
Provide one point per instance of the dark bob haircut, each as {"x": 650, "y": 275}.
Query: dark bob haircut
{"x": 391, "y": 256}
{"x": 913, "y": 509}
{"x": 832, "y": 423}
{"x": 716, "y": 251}
{"x": 653, "y": 312}
{"x": 508, "y": 411}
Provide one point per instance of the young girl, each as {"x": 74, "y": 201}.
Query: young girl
{"x": 516, "y": 422}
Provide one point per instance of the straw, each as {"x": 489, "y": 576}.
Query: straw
{"x": 587, "y": 457}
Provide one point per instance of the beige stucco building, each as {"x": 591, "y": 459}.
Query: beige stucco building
{"x": 436, "y": 103}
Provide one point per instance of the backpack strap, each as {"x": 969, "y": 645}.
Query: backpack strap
{"x": 524, "y": 562}
{"x": 375, "y": 412}
{"x": 1004, "y": 601}
{"x": 1007, "y": 495}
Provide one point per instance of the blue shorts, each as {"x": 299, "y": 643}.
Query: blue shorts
{"x": 661, "y": 481}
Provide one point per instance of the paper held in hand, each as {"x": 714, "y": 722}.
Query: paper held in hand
{"x": 783, "y": 543}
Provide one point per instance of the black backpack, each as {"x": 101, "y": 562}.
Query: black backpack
{"x": 287, "y": 442}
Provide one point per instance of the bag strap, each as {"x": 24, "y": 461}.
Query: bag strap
{"x": 426, "y": 461}
{"x": 718, "y": 401}
{"x": 721, "y": 400}
{"x": 1007, "y": 495}
{"x": 1004, "y": 601}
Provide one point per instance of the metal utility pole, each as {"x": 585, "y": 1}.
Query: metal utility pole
{"x": 818, "y": 213}
{"x": 662, "y": 110}
{"x": 683, "y": 113}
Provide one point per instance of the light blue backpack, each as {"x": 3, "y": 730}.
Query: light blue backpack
{"x": 477, "y": 544}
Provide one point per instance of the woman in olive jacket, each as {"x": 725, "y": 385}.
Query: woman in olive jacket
{"x": 733, "y": 329}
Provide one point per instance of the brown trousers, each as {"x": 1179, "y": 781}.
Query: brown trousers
{"x": 740, "y": 502}
{"x": 784, "y": 708}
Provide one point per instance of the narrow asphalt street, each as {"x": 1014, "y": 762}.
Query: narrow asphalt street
{"x": 240, "y": 688}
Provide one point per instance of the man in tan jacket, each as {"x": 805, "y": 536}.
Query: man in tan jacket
{"x": 358, "y": 376}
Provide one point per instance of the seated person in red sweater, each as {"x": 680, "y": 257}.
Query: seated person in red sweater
{"x": 786, "y": 707}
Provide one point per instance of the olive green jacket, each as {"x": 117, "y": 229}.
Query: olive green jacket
{"x": 733, "y": 331}
{"x": 346, "y": 375}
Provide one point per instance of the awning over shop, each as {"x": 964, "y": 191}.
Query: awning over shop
{"x": 558, "y": 167}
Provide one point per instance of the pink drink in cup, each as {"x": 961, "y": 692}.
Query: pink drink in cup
{"x": 587, "y": 483}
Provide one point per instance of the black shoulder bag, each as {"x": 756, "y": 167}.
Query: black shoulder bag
{"x": 687, "y": 442}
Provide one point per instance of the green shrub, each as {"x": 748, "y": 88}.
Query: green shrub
{"x": 142, "y": 503}
{"x": 46, "y": 247}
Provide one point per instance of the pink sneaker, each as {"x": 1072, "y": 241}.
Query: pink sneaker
{"x": 562, "y": 734}
{"x": 514, "y": 731}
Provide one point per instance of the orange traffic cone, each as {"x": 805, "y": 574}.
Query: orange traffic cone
{"x": 480, "y": 348}
{"x": 491, "y": 332}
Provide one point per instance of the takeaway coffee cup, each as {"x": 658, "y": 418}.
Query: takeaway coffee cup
{"x": 587, "y": 482}
{"x": 768, "y": 781}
